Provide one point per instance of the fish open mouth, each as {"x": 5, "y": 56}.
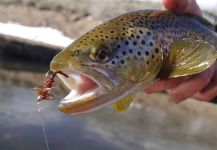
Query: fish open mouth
{"x": 83, "y": 89}
{"x": 78, "y": 81}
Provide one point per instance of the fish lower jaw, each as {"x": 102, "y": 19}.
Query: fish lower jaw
{"x": 73, "y": 103}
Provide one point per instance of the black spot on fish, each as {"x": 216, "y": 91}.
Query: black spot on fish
{"x": 131, "y": 51}
{"x": 126, "y": 42}
{"x": 157, "y": 21}
{"x": 139, "y": 53}
{"x": 148, "y": 33}
{"x": 165, "y": 49}
{"x": 151, "y": 44}
{"x": 147, "y": 53}
{"x": 156, "y": 50}
{"x": 113, "y": 62}
{"x": 118, "y": 46}
{"x": 122, "y": 61}
{"x": 134, "y": 43}
{"x": 138, "y": 37}
{"x": 124, "y": 53}
{"x": 143, "y": 42}
{"x": 140, "y": 31}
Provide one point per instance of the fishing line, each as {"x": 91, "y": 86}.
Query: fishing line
{"x": 40, "y": 110}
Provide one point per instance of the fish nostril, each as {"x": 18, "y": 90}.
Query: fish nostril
{"x": 55, "y": 66}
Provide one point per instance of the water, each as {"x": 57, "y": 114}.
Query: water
{"x": 21, "y": 128}
{"x": 140, "y": 128}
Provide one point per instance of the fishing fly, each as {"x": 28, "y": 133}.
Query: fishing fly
{"x": 43, "y": 92}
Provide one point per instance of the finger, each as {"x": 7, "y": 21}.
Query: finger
{"x": 192, "y": 86}
{"x": 175, "y": 5}
{"x": 165, "y": 84}
{"x": 209, "y": 94}
{"x": 182, "y": 6}
{"x": 210, "y": 91}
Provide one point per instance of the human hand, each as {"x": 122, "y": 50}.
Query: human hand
{"x": 203, "y": 85}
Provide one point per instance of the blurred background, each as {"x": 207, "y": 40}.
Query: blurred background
{"x": 31, "y": 33}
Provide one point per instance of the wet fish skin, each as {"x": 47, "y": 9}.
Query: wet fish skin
{"x": 127, "y": 53}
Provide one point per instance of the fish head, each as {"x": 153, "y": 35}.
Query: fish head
{"x": 94, "y": 58}
{"x": 102, "y": 66}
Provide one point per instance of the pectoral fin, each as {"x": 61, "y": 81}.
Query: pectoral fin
{"x": 188, "y": 57}
{"x": 123, "y": 104}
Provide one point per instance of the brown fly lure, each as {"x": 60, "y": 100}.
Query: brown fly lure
{"x": 43, "y": 92}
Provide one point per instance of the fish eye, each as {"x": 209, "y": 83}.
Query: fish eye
{"x": 102, "y": 55}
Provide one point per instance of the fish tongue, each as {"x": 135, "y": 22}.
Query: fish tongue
{"x": 87, "y": 84}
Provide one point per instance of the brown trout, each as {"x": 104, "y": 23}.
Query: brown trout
{"x": 108, "y": 64}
